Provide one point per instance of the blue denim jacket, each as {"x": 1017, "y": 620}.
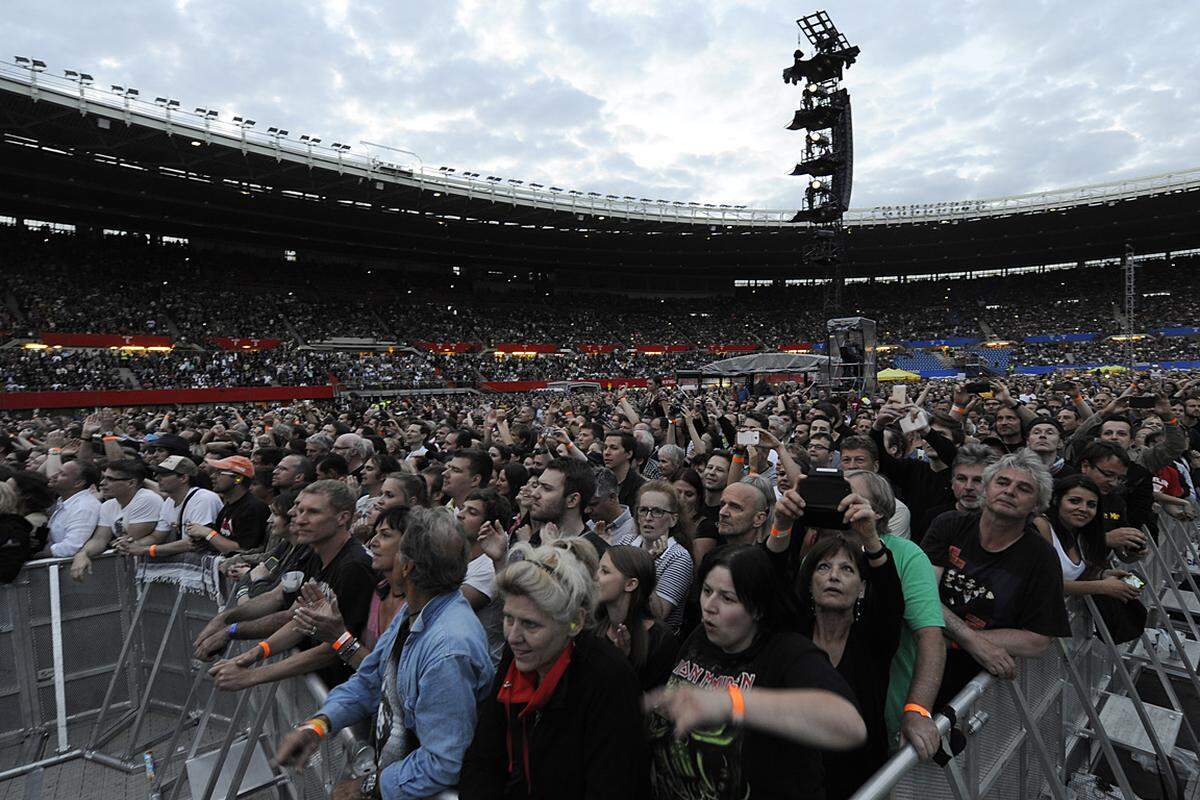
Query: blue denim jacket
{"x": 444, "y": 672}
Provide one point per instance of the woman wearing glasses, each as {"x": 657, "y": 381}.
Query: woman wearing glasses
{"x": 660, "y": 532}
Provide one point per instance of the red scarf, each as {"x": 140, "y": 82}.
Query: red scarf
{"x": 522, "y": 687}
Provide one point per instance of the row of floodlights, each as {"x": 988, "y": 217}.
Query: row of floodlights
{"x": 207, "y": 114}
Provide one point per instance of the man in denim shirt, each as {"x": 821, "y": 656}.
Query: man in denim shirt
{"x": 422, "y": 681}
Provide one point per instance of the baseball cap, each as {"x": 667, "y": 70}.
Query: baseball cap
{"x": 180, "y": 465}
{"x": 239, "y": 465}
{"x": 175, "y": 445}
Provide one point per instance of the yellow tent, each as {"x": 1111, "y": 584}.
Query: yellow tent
{"x": 897, "y": 375}
{"x": 1111, "y": 369}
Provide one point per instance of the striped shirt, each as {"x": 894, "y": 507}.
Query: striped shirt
{"x": 673, "y": 569}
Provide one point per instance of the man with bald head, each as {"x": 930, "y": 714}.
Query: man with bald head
{"x": 743, "y": 515}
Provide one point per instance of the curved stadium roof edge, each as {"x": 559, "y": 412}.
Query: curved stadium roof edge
{"x": 43, "y": 87}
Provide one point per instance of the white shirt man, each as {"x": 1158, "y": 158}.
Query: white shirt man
{"x": 145, "y": 506}
{"x": 75, "y": 515}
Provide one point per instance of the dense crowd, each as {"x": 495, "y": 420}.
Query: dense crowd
{"x": 753, "y": 591}
{"x": 175, "y": 290}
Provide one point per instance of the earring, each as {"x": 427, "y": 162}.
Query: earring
{"x": 574, "y": 625}
{"x": 858, "y": 606}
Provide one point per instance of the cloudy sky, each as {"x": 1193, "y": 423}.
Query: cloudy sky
{"x": 683, "y": 101}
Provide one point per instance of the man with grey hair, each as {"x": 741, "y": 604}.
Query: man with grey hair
{"x": 607, "y": 518}
{"x": 1000, "y": 582}
{"x": 671, "y": 460}
{"x": 355, "y": 449}
{"x": 423, "y": 680}
{"x": 643, "y": 455}
{"x": 317, "y": 446}
{"x": 966, "y": 481}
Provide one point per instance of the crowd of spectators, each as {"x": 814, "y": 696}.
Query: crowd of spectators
{"x": 667, "y": 593}
{"x": 125, "y": 285}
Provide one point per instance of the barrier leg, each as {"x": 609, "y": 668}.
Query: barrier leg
{"x": 223, "y": 753}
{"x": 251, "y": 742}
{"x": 1134, "y": 697}
{"x": 1085, "y": 700}
{"x": 144, "y": 705}
{"x": 126, "y": 646}
{"x": 1053, "y": 779}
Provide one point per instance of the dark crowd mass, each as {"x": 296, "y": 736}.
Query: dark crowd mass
{"x": 761, "y": 590}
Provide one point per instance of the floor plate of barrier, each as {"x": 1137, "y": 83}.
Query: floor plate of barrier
{"x": 84, "y": 779}
{"x": 1191, "y": 648}
{"x": 1189, "y": 601}
{"x": 1124, "y": 727}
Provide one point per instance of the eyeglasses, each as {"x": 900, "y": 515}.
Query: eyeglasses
{"x": 817, "y": 447}
{"x": 652, "y": 512}
{"x": 111, "y": 478}
{"x": 1108, "y": 473}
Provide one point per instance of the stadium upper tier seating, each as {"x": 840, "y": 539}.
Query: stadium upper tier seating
{"x": 62, "y": 284}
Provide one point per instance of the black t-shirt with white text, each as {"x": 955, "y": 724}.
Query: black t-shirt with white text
{"x": 244, "y": 521}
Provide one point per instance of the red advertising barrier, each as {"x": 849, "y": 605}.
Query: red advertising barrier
{"x": 163, "y": 397}
{"x": 449, "y": 347}
{"x": 593, "y": 349}
{"x": 732, "y": 348}
{"x": 663, "y": 348}
{"x": 103, "y": 340}
{"x": 226, "y": 343}
{"x": 525, "y": 347}
{"x": 802, "y": 347}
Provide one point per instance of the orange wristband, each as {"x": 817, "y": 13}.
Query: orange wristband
{"x": 152, "y": 550}
{"x": 266, "y": 649}
{"x": 916, "y": 709}
{"x": 108, "y": 438}
{"x": 738, "y": 460}
{"x": 776, "y": 532}
{"x": 738, "y": 713}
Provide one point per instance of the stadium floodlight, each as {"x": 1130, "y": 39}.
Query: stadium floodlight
{"x": 243, "y": 123}
{"x": 79, "y": 77}
{"x": 31, "y": 64}
{"x": 207, "y": 113}
{"x": 304, "y": 137}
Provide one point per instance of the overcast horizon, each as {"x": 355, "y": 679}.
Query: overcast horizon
{"x": 962, "y": 100}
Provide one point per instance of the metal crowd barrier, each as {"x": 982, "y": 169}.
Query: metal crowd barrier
{"x": 1075, "y": 707}
{"x": 100, "y": 695}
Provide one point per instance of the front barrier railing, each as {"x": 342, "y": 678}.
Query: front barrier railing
{"x": 1044, "y": 733}
{"x": 103, "y": 671}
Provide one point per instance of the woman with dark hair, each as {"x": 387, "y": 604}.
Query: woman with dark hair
{"x": 701, "y": 531}
{"x": 374, "y": 470}
{"x": 626, "y": 582}
{"x": 751, "y": 701}
{"x": 509, "y": 479}
{"x": 35, "y": 500}
{"x": 854, "y": 611}
{"x": 1073, "y": 525}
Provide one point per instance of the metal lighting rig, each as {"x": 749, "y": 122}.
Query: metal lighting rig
{"x": 828, "y": 145}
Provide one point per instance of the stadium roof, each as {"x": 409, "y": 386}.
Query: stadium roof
{"x": 76, "y": 153}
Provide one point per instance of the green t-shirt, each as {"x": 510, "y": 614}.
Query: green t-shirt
{"x": 922, "y": 609}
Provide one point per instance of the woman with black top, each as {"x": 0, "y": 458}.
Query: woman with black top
{"x": 1075, "y": 529}
{"x": 562, "y": 720}
{"x": 700, "y": 530}
{"x": 854, "y": 611}
{"x": 626, "y": 581}
{"x": 751, "y": 702}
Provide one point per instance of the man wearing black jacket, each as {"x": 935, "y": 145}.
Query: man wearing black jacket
{"x": 923, "y": 484}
